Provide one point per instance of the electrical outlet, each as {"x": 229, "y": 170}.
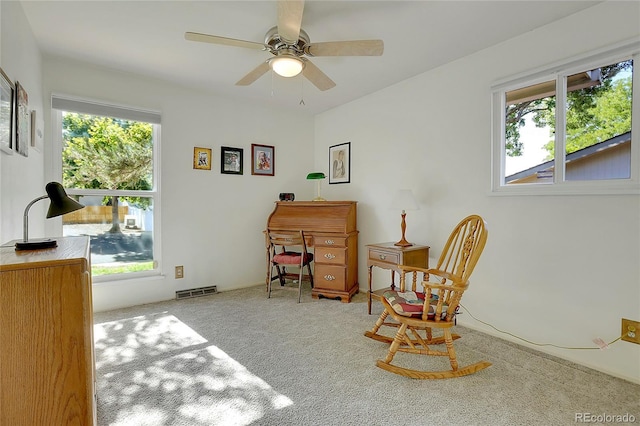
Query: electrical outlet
{"x": 631, "y": 331}
{"x": 179, "y": 272}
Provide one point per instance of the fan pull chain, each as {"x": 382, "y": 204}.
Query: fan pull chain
{"x": 302, "y": 91}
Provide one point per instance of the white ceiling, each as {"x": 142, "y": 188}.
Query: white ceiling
{"x": 147, "y": 38}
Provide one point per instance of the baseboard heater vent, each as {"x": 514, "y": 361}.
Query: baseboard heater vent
{"x": 196, "y": 292}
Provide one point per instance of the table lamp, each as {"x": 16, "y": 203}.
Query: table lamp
{"x": 60, "y": 204}
{"x": 317, "y": 176}
{"x": 404, "y": 200}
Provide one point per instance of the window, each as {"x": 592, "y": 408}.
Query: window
{"x": 569, "y": 130}
{"x": 108, "y": 162}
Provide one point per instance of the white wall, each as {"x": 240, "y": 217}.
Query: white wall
{"x": 211, "y": 223}
{"x": 557, "y": 269}
{"x": 21, "y": 178}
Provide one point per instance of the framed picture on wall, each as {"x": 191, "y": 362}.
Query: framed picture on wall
{"x": 23, "y": 120}
{"x": 262, "y": 160}
{"x": 231, "y": 160}
{"x": 7, "y": 119}
{"x": 202, "y": 158}
{"x": 340, "y": 163}
{"x": 37, "y": 132}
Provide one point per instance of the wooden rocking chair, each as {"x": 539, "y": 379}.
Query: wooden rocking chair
{"x": 417, "y": 313}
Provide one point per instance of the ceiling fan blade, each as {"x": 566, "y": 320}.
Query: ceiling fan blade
{"x": 290, "y": 20}
{"x": 346, "y": 48}
{"x": 206, "y": 38}
{"x": 317, "y": 77}
{"x": 254, "y": 75}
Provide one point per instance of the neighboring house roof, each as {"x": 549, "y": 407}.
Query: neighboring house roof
{"x": 592, "y": 150}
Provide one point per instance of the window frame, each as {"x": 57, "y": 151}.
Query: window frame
{"x": 559, "y": 72}
{"x": 98, "y": 108}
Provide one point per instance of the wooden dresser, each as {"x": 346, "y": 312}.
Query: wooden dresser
{"x": 331, "y": 229}
{"x": 47, "y": 372}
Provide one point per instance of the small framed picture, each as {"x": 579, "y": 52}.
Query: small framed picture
{"x": 262, "y": 160}
{"x": 7, "y": 111}
{"x": 202, "y": 158}
{"x": 231, "y": 160}
{"x": 37, "y": 134}
{"x": 23, "y": 121}
{"x": 340, "y": 163}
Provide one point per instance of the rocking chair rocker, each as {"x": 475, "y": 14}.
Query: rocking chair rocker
{"x": 418, "y": 313}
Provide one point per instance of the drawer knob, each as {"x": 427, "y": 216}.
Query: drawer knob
{"x": 329, "y": 256}
{"x": 383, "y": 257}
{"x": 329, "y": 277}
{"x": 329, "y": 242}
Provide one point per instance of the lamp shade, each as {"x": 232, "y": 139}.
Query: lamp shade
{"x": 404, "y": 200}
{"x": 60, "y": 201}
{"x": 316, "y": 175}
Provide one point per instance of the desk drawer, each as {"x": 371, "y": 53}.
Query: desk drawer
{"x": 330, "y": 277}
{"x": 329, "y": 240}
{"x": 381, "y": 256}
{"x": 331, "y": 255}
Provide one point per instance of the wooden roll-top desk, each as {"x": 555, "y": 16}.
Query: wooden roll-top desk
{"x": 330, "y": 228}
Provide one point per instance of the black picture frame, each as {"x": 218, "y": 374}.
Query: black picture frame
{"x": 7, "y": 113}
{"x": 231, "y": 160}
{"x": 340, "y": 163}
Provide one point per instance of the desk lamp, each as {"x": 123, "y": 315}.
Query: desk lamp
{"x": 60, "y": 204}
{"x": 318, "y": 176}
{"x": 404, "y": 200}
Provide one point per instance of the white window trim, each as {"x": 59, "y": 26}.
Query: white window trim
{"x": 56, "y": 159}
{"x": 559, "y": 72}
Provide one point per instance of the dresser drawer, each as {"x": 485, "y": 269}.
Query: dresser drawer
{"x": 329, "y": 240}
{"x": 381, "y": 256}
{"x": 331, "y": 255}
{"x": 330, "y": 277}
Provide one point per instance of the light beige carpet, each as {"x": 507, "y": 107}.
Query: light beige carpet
{"x": 238, "y": 358}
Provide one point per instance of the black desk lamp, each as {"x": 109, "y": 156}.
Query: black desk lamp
{"x": 60, "y": 204}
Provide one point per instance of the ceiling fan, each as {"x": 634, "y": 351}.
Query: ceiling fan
{"x": 290, "y": 46}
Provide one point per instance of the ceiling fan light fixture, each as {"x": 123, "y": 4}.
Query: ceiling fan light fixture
{"x": 286, "y": 65}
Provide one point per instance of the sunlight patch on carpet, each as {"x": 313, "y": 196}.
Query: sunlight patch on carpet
{"x": 179, "y": 376}
{"x": 148, "y": 335}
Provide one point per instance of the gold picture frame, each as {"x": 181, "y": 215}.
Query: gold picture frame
{"x": 202, "y": 158}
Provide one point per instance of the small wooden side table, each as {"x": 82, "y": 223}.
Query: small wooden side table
{"x": 389, "y": 256}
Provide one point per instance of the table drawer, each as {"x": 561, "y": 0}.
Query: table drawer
{"x": 332, "y": 255}
{"x": 330, "y": 277}
{"x": 381, "y": 256}
{"x": 329, "y": 240}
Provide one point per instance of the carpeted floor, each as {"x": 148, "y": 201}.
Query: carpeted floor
{"x": 238, "y": 358}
